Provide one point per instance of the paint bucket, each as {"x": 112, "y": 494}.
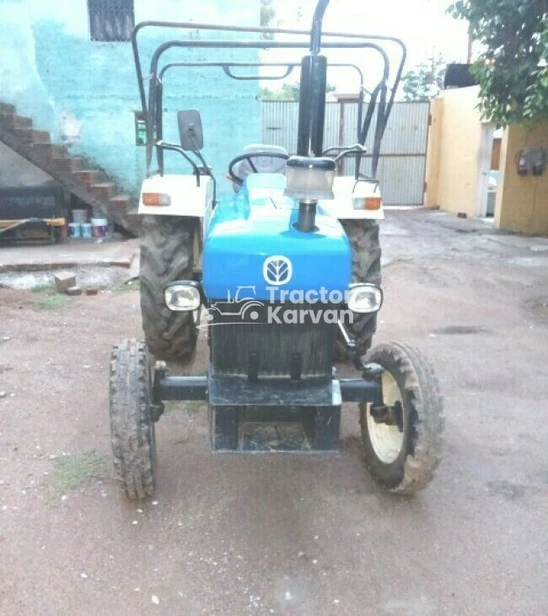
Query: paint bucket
{"x": 85, "y": 228}
{"x": 99, "y": 227}
{"x": 79, "y": 216}
{"x": 74, "y": 229}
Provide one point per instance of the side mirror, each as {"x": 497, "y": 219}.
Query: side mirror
{"x": 190, "y": 130}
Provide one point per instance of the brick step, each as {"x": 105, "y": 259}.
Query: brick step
{"x": 49, "y": 151}
{"x": 104, "y": 190}
{"x": 6, "y": 108}
{"x": 40, "y": 136}
{"x": 87, "y": 177}
{"x": 121, "y": 202}
{"x": 24, "y": 134}
{"x": 22, "y": 122}
{"x": 12, "y": 121}
{"x": 71, "y": 171}
{"x": 8, "y": 119}
{"x": 29, "y": 135}
{"x": 68, "y": 164}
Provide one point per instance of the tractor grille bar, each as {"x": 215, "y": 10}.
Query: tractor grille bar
{"x": 247, "y": 341}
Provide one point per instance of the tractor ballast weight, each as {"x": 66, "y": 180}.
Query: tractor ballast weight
{"x": 276, "y": 278}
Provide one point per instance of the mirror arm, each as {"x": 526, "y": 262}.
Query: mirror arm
{"x": 177, "y": 148}
{"x": 196, "y": 151}
{"x": 198, "y": 154}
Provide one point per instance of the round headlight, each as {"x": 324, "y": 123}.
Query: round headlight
{"x": 182, "y": 297}
{"x": 364, "y": 298}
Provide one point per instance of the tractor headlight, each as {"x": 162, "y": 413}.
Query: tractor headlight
{"x": 364, "y": 298}
{"x": 183, "y": 296}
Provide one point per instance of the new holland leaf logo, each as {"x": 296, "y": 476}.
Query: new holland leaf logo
{"x": 277, "y": 270}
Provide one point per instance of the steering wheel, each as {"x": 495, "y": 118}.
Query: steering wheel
{"x": 249, "y": 157}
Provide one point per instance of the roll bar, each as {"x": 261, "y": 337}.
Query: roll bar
{"x": 227, "y": 66}
{"x": 152, "y": 111}
{"x": 316, "y": 33}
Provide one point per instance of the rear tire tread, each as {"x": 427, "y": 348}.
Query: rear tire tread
{"x": 167, "y": 255}
{"x": 363, "y": 236}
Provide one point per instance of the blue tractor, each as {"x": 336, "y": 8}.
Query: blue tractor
{"x": 278, "y": 276}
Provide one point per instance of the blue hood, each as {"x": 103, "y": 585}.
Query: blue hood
{"x": 252, "y": 249}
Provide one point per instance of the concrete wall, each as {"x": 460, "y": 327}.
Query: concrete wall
{"x": 16, "y": 171}
{"x": 433, "y": 160}
{"x": 495, "y": 155}
{"x": 455, "y": 158}
{"x": 85, "y": 92}
{"x": 453, "y": 165}
{"x": 522, "y": 202}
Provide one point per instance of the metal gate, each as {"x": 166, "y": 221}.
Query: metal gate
{"x": 402, "y": 164}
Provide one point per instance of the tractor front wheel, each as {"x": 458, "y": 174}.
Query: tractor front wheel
{"x": 131, "y": 425}
{"x": 167, "y": 255}
{"x": 402, "y": 438}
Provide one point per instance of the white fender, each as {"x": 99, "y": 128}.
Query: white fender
{"x": 182, "y": 196}
{"x": 351, "y": 198}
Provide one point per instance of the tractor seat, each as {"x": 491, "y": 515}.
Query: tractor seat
{"x": 263, "y": 163}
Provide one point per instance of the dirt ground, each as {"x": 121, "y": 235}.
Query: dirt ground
{"x": 281, "y": 534}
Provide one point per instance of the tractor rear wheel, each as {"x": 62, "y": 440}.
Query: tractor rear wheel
{"x": 402, "y": 440}
{"x": 363, "y": 236}
{"x": 131, "y": 425}
{"x": 167, "y": 255}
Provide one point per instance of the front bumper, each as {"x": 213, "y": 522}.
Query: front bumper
{"x": 271, "y": 414}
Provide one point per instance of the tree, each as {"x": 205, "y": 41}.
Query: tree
{"x": 288, "y": 92}
{"x": 268, "y": 13}
{"x": 512, "y": 67}
{"x": 423, "y": 82}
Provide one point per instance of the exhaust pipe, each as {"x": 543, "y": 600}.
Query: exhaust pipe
{"x": 313, "y": 91}
{"x": 311, "y": 118}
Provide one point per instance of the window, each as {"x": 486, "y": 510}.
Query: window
{"x": 111, "y": 20}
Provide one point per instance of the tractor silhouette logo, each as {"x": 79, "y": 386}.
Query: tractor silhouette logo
{"x": 243, "y": 305}
{"x": 277, "y": 270}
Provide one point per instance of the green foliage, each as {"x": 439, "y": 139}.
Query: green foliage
{"x": 74, "y": 471}
{"x": 268, "y": 13}
{"x": 423, "y": 82}
{"x": 50, "y": 300}
{"x": 193, "y": 407}
{"x": 43, "y": 288}
{"x": 126, "y": 287}
{"x": 288, "y": 92}
{"x": 512, "y": 68}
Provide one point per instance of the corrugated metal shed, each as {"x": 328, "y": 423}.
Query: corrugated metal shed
{"x": 403, "y": 153}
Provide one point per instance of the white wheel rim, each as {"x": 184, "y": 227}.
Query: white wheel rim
{"x": 387, "y": 441}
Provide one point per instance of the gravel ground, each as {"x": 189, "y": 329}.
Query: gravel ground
{"x": 282, "y": 534}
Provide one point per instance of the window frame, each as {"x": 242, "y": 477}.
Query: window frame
{"x": 105, "y": 12}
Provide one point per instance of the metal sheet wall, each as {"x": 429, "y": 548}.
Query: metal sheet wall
{"x": 281, "y": 119}
{"x": 403, "y": 152}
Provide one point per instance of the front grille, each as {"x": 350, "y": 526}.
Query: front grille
{"x": 241, "y": 335}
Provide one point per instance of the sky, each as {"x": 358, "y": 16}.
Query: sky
{"x": 421, "y": 24}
